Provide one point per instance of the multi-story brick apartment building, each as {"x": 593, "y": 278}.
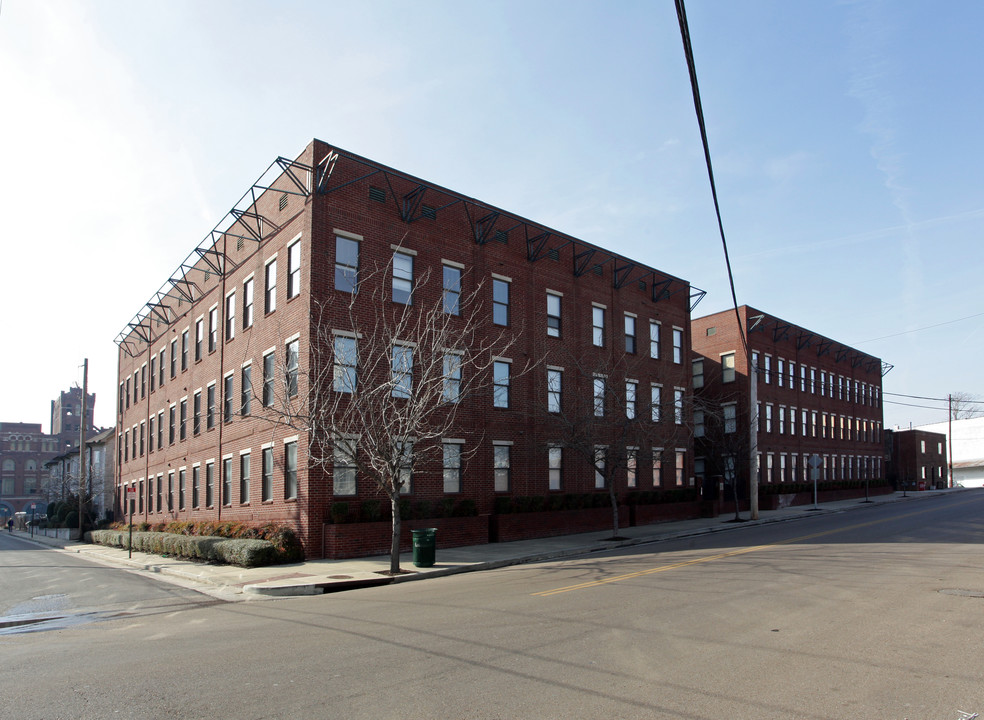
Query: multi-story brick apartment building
{"x": 815, "y": 397}
{"x": 917, "y": 459}
{"x": 196, "y": 364}
{"x": 24, "y": 450}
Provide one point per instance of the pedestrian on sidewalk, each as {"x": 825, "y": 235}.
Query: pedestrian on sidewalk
{"x": 10, "y": 525}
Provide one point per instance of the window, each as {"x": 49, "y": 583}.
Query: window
{"x": 344, "y": 370}
{"x": 174, "y": 358}
{"x": 768, "y": 417}
{"x": 136, "y": 387}
{"x": 172, "y": 417}
{"x": 294, "y": 270}
{"x": 697, "y": 373}
{"x": 728, "y": 367}
{"x": 196, "y": 413}
{"x": 183, "y": 420}
{"x": 553, "y": 315}
{"x": 792, "y": 375}
{"x": 555, "y": 381}
{"x": 209, "y": 484}
{"x": 244, "y": 478}
{"x": 678, "y": 406}
{"x": 291, "y": 368}
{"x": 780, "y": 372}
{"x": 554, "y": 467}
{"x": 153, "y": 372}
{"x": 782, "y": 419}
{"x": 657, "y": 467}
{"x": 656, "y": 402}
{"x": 405, "y": 450}
{"x": 245, "y": 389}
{"x": 823, "y": 382}
{"x": 452, "y": 290}
{"x": 654, "y": 339}
{"x": 598, "y": 326}
{"x": 756, "y": 366}
{"x": 270, "y": 286}
{"x": 143, "y": 381}
{"x": 268, "y": 365}
{"x": 196, "y": 478}
{"x": 181, "y": 488}
{"x": 346, "y": 264}
{"x": 500, "y": 384}
{"x": 170, "y": 491}
{"x": 698, "y": 423}
{"x": 160, "y": 483}
{"x": 267, "y": 489}
{"x": 452, "y": 377}
{"x": 631, "y": 387}
{"x": 813, "y": 424}
{"x": 160, "y": 367}
{"x": 677, "y": 346}
{"x": 227, "y": 481}
{"x": 730, "y": 415}
{"x": 630, "y": 334}
{"x": 143, "y": 432}
{"x": 210, "y": 407}
{"x": 598, "y": 462}
{"x": 228, "y": 398}
{"x": 768, "y": 370}
{"x": 343, "y": 467}
{"x": 452, "y": 467}
{"x": 402, "y": 371}
{"x": 598, "y": 392}
{"x": 631, "y": 467}
{"x": 813, "y": 380}
{"x": 150, "y": 434}
{"x": 230, "y": 316}
{"x": 500, "y": 302}
{"x": 213, "y": 328}
{"x": 681, "y": 459}
{"x": 501, "y": 467}
{"x": 802, "y": 378}
{"x": 199, "y": 338}
{"x": 184, "y": 350}
{"x": 160, "y": 430}
{"x": 126, "y": 447}
{"x": 247, "y": 303}
{"x": 803, "y": 430}
{"x": 402, "y": 278}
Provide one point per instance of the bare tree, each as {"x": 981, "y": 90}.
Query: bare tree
{"x": 964, "y": 405}
{"x": 724, "y": 448}
{"x": 390, "y": 367}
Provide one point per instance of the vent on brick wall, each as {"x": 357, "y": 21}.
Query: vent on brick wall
{"x": 239, "y": 241}
{"x": 428, "y": 212}
{"x": 283, "y": 201}
{"x": 377, "y": 194}
{"x": 712, "y": 331}
{"x": 597, "y": 270}
{"x": 553, "y": 254}
{"x": 642, "y": 284}
{"x": 501, "y": 237}
{"x": 208, "y": 275}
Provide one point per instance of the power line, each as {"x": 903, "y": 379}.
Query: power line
{"x": 945, "y": 399}
{"x": 928, "y": 327}
{"x": 925, "y": 407}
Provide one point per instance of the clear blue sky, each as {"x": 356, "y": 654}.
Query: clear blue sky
{"x": 846, "y": 138}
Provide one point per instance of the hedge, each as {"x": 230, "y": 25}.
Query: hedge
{"x": 239, "y": 551}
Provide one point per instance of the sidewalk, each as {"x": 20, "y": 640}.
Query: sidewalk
{"x": 314, "y": 577}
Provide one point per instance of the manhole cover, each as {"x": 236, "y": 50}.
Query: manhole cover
{"x": 963, "y": 593}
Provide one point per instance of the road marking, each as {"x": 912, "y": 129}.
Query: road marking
{"x": 721, "y": 556}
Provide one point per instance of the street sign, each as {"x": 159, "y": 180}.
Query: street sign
{"x": 131, "y": 493}
{"x": 34, "y": 506}
{"x": 815, "y": 461}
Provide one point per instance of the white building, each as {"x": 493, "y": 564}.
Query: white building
{"x": 967, "y": 453}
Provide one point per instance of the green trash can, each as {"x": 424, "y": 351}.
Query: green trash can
{"x": 424, "y": 544}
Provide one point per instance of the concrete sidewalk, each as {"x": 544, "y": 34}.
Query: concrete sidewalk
{"x": 319, "y": 576}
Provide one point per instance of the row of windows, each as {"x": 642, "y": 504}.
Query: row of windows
{"x": 822, "y": 383}
{"x": 783, "y": 468}
{"x": 158, "y": 429}
{"x": 846, "y": 428}
{"x": 176, "y": 355}
{"x": 175, "y": 496}
{"x": 9, "y": 489}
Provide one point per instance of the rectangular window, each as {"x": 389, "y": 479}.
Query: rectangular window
{"x": 792, "y": 421}
{"x": 697, "y": 373}
{"x": 174, "y": 358}
{"x": 160, "y": 367}
{"x": 631, "y": 467}
{"x": 402, "y": 371}
{"x": 270, "y": 286}
{"x": 631, "y": 388}
{"x": 813, "y": 380}
{"x": 213, "y": 328}
{"x": 210, "y": 407}
{"x": 291, "y": 367}
{"x": 598, "y": 326}
{"x": 657, "y": 467}
{"x": 227, "y": 481}
{"x": 170, "y": 491}
{"x": 678, "y": 406}
{"x": 199, "y": 338}
{"x": 630, "y": 334}
{"x": 150, "y": 434}
{"x": 244, "y": 472}
{"x": 143, "y": 430}
{"x": 405, "y": 449}
{"x": 245, "y": 389}
{"x": 681, "y": 467}
{"x": 452, "y": 467}
{"x": 802, "y": 378}
{"x": 247, "y": 303}
{"x": 294, "y": 270}
{"x": 196, "y": 413}
{"x": 555, "y": 383}
{"x": 184, "y": 350}
{"x": 813, "y": 424}
{"x": 209, "y": 484}
{"x": 126, "y": 446}
{"x": 768, "y": 417}
{"x": 553, "y": 315}
{"x": 452, "y": 377}
{"x": 452, "y": 290}
{"x": 654, "y": 339}
{"x": 160, "y": 493}
{"x": 403, "y": 278}
{"x": 500, "y": 384}
{"x": 143, "y": 381}
{"x": 160, "y": 430}
{"x": 153, "y": 373}
{"x": 599, "y": 461}
{"x": 678, "y": 346}
{"x": 230, "y": 316}
{"x": 656, "y": 402}
{"x": 728, "y": 367}
{"x": 268, "y": 367}
{"x": 196, "y": 479}
{"x": 780, "y": 372}
{"x": 343, "y": 467}
{"x": 267, "y": 491}
{"x": 782, "y": 419}
{"x": 698, "y": 423}
{"x": 181, "y": 488}
{"x": 555, "y": 467}
{"x": 730, "y": 414}
{"x": 171, "y": 424}
{"x": 598, "y": 394}
{"x": 183, "y": 420}
{"x": 228, "y": 398}
{"x": 344, "y": 369}
{"x": 768, "y": 370}
{"x": 136, "y": 388}
{"x": 803, "y": 430}
{"x": 501, "y": 466}
{"x": 346, "y": 264}
{"x": 500, "y": 302}
{"x": 290, "y": 470}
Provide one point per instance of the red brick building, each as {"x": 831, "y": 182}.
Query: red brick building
{"x": 815, "y": 397}
{"x": 918, "y": 459}
{"x": 195, "y": 362}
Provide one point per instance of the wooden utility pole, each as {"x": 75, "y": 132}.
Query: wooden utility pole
{"x": 82, "y": 434}
{"x": 753, "y": 464}
{"x": 949, "y": 438}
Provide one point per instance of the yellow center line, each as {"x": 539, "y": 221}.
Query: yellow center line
{"x": 720, "y": 556}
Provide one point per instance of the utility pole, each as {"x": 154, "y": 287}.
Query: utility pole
{"x": 753, "y": 468}
{"x": 949, "y": 439}
{"x": 82, "y": 433}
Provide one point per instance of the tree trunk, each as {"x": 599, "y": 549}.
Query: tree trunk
{"x": 734, "y": 493}
{"x": 614, "y": 499}
{"x": 395, "y": 545}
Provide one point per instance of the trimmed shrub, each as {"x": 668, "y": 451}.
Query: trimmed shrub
{"x": 339, "y": 512}
{"x": 371, "y": 511}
